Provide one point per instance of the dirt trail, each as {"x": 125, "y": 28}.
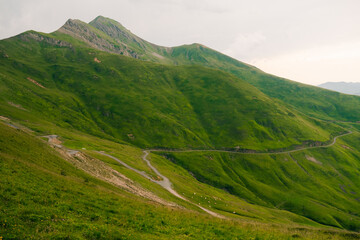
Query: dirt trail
{"x": 165, "y": 182}
{"x": 12, "y": 124}
{"x": 101, "y": 170}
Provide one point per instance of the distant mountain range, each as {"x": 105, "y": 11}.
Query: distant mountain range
{"x": 343, "y": 87}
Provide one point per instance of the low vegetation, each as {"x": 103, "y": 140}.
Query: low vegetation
{"x": 105, "y": 97}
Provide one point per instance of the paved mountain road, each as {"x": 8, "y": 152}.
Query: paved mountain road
{"x": 257, "y": 153}
{"x": 165, "y": 182}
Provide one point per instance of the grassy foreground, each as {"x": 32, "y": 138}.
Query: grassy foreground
{"x": 100, "y": 101}
{"x": 45, "y": 197}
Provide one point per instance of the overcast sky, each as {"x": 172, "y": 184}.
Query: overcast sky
{"x": 310, "y": 41}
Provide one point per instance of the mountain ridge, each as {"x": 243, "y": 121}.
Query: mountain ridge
{"x": 179, "y": 108}
{"x": 72, "y": 84}
{"x": 273, "y": 86}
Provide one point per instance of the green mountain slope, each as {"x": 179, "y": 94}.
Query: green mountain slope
{"x": 307, "y": 99}
{"x": 101, "y": 88}
{"x": 321, "y": 184}
{"x": 146, "y": 104}
{"x": 110, "y": 36}
{"x": 45, "y": 197}
{"x": 311, "y": 100}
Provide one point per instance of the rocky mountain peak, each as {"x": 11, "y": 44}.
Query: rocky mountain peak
{"x": 112, "y": 28}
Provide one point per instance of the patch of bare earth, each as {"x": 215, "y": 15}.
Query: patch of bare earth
{"x": 157, "y": 55}
{"x": 54, "y": 140}
{"x": 104, "y": 172}
{"x": 16, "y": 105}
{"x": 312, "y": 159}
{"x": 346, "y": 147}
{"x": 131, "y": 136}
{"x": 4, "y": 118}
{"x": 18, "y": 126}
{"x": 35, "y": 82}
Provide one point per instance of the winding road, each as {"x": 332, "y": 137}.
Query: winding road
{"x": 257, "y": 153}
{"x": 165, "y": 182}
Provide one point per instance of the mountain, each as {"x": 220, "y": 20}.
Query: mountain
{"x": 144, "y": 103}
{"x": 304, "y": 98}
{"x": 107, "y": 35}
{"x": 343, "y": 87}
{"x": 104, "y": 135}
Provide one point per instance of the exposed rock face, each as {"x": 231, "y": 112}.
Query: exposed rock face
{"x": 110, "y": 36}
{"x": 37, "y": 37}
{"x": 83, "y": 32}
{"x": 117, "y": 31}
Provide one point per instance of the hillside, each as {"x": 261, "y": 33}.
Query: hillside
{"x": 144, "y": 103}
{"x": 104, "y": 135}
{"x": 44, "y": 196}
{"x": 108, "y": 34}
{"x": 321, "y": 184}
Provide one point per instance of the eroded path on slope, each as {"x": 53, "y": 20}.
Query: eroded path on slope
{"x": 74, "y": 155}
{"x": 165, "y": 182}
{"x": 101, "y": 170}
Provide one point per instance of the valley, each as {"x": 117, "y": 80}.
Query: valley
{"x": 104, "y": 135}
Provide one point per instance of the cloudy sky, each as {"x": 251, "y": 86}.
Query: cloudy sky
{"x": 310, "y": 41}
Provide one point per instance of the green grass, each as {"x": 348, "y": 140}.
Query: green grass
{"x": 308, "y": 99}
{"x": 313, "y": 101}
{"x": 45, "y": 197}
{"x": 327, "y": 193}
{"x": 143, "y": 103}
{"x": 121, "y": 104}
